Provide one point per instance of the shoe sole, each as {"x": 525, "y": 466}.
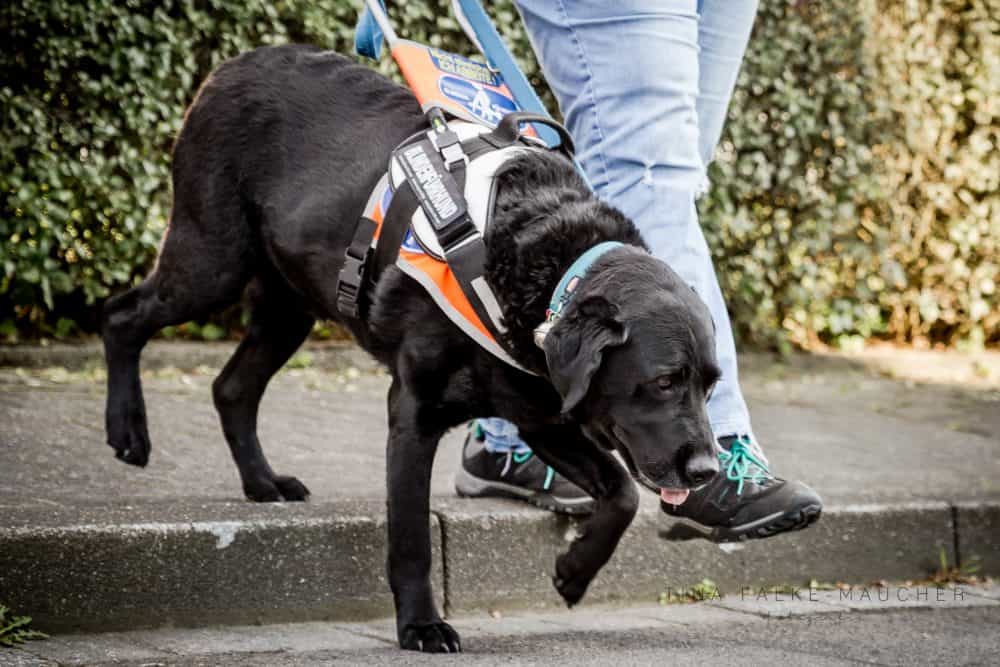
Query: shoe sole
{"x": 468, "y": 485}
{"x": 769, "y": 526}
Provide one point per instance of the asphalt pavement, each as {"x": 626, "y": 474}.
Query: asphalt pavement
{"x": 956, "y": 626}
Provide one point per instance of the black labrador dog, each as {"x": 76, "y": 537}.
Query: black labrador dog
{"x": 278, "y": 154}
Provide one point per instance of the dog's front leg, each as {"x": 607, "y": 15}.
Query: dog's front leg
{"x": 577, "y": 458}
{"x": 410, "y": 458}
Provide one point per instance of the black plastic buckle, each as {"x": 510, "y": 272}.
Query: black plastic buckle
{"x": 456, "y": 232}
{"x": 450, "y": 148}
{"x": 349, "y": 284}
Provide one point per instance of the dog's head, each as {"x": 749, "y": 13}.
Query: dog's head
{"x": 633, "y": 358}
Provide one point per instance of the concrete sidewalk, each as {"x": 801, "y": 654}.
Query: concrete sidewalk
{"x": 899, "y": 626}
{"x": 904, "y": 448}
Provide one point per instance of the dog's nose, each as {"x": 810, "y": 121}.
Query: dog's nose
{"x": 701, "y": 468}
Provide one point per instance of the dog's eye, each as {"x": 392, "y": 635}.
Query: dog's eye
{"x": 669, "y": 381}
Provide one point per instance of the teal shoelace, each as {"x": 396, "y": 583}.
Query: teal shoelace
{"x": 742, "y": 465}
{"x": 521, "y": 457}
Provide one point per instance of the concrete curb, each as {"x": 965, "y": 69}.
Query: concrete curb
{"x": 184, "y": 355}
{"x": 978, "y": 535}
{"x": 238, "y": 563}
{"x": 269, "y": 565}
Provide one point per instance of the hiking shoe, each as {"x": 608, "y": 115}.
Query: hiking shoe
{"x": 518, "y": 475}
{"x": 744, "y": 501}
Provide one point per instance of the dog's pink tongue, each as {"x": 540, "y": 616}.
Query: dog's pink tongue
{"x": 673, "y": 496}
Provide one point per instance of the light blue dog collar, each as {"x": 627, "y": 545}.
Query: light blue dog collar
{"x": 568, "y": 285}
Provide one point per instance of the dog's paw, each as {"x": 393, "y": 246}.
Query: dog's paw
{"x": 569, "y": 582}
{"x": 131, "y": 445}
{"x": 431, "y": 638}
{"x": 275, "y": 490}
{"x": 291, "y": 488}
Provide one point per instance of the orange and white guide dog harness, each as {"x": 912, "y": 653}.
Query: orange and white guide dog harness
{"x": 428, "y": 213}
{"x": 421, "y": 255}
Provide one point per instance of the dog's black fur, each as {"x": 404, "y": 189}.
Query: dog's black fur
{"x": 271, "y": 170}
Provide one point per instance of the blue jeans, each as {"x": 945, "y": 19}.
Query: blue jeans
{"x": 644, "y": 86}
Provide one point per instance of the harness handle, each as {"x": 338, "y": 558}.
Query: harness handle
{"x": 508, "y": 130}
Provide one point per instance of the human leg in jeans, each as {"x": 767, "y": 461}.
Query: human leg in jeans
{"x": 644, "y": 87}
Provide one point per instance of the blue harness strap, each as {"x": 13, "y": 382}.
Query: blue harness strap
{"x": 367, "y": 34}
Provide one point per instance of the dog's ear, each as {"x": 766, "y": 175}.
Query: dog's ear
{"x": 575, "y": 347}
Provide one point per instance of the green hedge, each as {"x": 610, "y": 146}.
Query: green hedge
{"x": 855, "y": 193}
{"x": 942, "y": 167}
{"x": 856, "y": 190}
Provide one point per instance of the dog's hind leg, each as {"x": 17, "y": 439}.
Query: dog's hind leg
{"x": 193, "y": 277}
{"x": 278, "y": 325}
{"x": 593, "y": 469}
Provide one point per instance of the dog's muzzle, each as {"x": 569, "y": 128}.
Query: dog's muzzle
{"x": 615, "y": 436}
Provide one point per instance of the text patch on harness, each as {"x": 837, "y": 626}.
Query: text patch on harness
{"x": 435, "y": 189}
